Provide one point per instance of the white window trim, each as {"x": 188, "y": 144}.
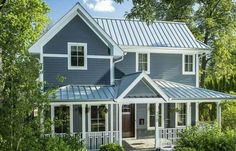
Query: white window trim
{"x": 148, "y": 61}
{"x": 183, "y": 64}
{"x": 176, "y": 115}
{"x": 69, "y": 56}
{"x": 162, "y": 115}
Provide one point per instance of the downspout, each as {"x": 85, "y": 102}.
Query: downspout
{"x": 113, "y": 66}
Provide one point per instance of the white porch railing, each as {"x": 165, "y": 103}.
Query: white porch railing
{"x": 169, "y": 136}
{"x": 94, "y": 140}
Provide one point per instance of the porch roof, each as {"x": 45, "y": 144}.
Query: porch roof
{"x": 167, "y": 89}
{"x": 177, "y": 91}
{"x": 84, "y": 93}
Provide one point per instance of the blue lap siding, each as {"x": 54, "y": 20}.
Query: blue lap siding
{"x": 98, "y": 72}
{"x": 76, "y": 31}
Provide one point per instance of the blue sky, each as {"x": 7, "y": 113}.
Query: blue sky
{"x": 97, "y": 8}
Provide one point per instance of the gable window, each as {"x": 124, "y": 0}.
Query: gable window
{"x": 97, "y": 119}
{"x": 143, "y": 62}
{"x": 181, "y": 114}
{"x": 151, "y": 115}
{"x": 77, "y": 56}
{"x": 188, "y": 64}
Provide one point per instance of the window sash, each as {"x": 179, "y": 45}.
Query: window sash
{"x": 152, "y": 111}
{"x": 181, "y": 114}
{"x": 98, "y": 123}
{"x": 77, "y": 55}
{"x": 188, "y": 63}
{"x": 142, "y": 62}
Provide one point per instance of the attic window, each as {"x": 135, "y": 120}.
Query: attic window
{"x": 77, "y": 56}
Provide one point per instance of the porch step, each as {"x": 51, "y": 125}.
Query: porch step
{"x": 138, "y": 144}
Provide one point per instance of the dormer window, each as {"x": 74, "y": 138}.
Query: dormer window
{"x": 143, "y": 62}
{"x": 188, "y": 64}
{"x": 77, "y": 56}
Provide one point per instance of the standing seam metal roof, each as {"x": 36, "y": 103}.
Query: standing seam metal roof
{"x": 157, "y": 34}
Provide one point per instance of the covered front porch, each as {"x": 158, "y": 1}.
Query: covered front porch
{"x": 137, "y": 107}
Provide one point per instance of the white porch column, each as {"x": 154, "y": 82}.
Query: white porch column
{"x": 157, "y": 141}
{"x": 83, "y": 121}
{"x": 120, "y": 124}
{"x": 71, "y": 120}
{"x": 106, "y": 119}
{"x": 117, "y": 117}
{"x": 197, "y": 113}
{"x": 111, "y": 122}
{"x": 188, "y": 114}
{"x": 52, "y": 119}
{"x": 219, "y": 114}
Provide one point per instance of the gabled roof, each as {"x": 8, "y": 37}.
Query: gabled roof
{"x": 177, "y": 91}
{"x": 157, "y": 34}
{"x": 76, "y": 10}
{"x": 128, "y": 82}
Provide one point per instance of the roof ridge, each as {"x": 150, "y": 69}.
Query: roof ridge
{"x": 156, "y": 21}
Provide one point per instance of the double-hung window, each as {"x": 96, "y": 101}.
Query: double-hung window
{"x": 77, "y": 56}
{"x": 151, "y": 115}
{"x": 181, "y": 114}
{"x": 143, "y": 64}
{"x": 97, "y": 119}
{"x": 188, "y": 64}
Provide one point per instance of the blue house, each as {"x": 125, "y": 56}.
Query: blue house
{"x": 123, "y": 78}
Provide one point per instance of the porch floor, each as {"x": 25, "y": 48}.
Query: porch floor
{"x": 131, "y": 144}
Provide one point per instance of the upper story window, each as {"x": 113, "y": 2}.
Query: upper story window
{"x": 77, "y": 56}
{"x": 143, "y": 62}
{"x": 188, "y": 64}
{"x": 181, "y": 114}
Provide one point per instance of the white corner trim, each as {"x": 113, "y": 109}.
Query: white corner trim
{"x": 183, "y": 64}
{"x": 162, "y": 116}
{"x": 69, "y": 44}
{"x": 197, "y": 71}
{"x": 148, "y": 62}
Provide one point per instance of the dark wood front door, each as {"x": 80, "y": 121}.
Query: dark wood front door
{"x": 128, "y": 120}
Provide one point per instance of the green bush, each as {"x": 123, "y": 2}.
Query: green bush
{"x": 111, "y": 147}
{"x": 66, "y": 143}
{"x": 207, "y": 139}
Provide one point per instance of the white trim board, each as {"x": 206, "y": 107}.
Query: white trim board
{"x": 88, "y": 56}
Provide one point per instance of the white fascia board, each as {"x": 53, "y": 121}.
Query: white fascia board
{"x": 76, "y": 10}
{"x": 164, "y": 50}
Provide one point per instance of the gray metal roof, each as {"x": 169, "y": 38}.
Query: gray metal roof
{"x": 80, "y": 92}
{"x": 157, "y": 34}
{"x": 177, "y": 91}
{"x": 174, "y": 91}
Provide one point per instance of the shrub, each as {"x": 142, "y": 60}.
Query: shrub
{"x": 111, "y": 147}
{"x": 185, "y": 149}
{"x": 207, "y": 139}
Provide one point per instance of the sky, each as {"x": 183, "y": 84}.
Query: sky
{"x": 96, "y": 8}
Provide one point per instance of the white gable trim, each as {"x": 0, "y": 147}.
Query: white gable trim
{"x": 135, "y": 82}
{"x": 76, "y": 10}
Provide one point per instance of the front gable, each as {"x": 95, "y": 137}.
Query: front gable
{"x": 76, "y": 31}
{"x": 143, "y": 90}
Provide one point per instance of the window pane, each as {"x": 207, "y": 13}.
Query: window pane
{"x": 142, "y": 62}
{"x": 73, "y": 61}
{"x": 186, "y": 58}
{"x": 140, "y": 58}
{"x": 181, "y": 114}
{"x": 80, "y": 61}
{"x": 152, "y": 121}
{"x": 190, "y": 59}
{"x": 186, "y": 68}
{"x": 190, "y": 68}
{"x": 152, "y": 111}
{"x": 80, "y": 50}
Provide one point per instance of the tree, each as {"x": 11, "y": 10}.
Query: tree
{"x": 211, "y": 21}
{"x": 21, "y": 23}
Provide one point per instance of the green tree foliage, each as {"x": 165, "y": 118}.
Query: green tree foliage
{"x": 21, "y": 23}
{"x": 206, "y": 139}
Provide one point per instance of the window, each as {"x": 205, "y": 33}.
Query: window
{"x": 188, "y": 64}
{"x": 77, "y": 56}
{"x": 181, "y": 114}
{"x": 151, "y": 115}
{"x": 97, "y": 119}
{"x": 142, "y": 60}
{"x": 62, "y": 119}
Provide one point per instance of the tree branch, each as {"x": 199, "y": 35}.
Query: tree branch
{"x": 2, "y": 4}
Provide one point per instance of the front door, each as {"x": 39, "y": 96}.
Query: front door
{"x": 128, "y": 120}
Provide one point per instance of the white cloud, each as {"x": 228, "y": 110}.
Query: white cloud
{"x": 101, "y": 6}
